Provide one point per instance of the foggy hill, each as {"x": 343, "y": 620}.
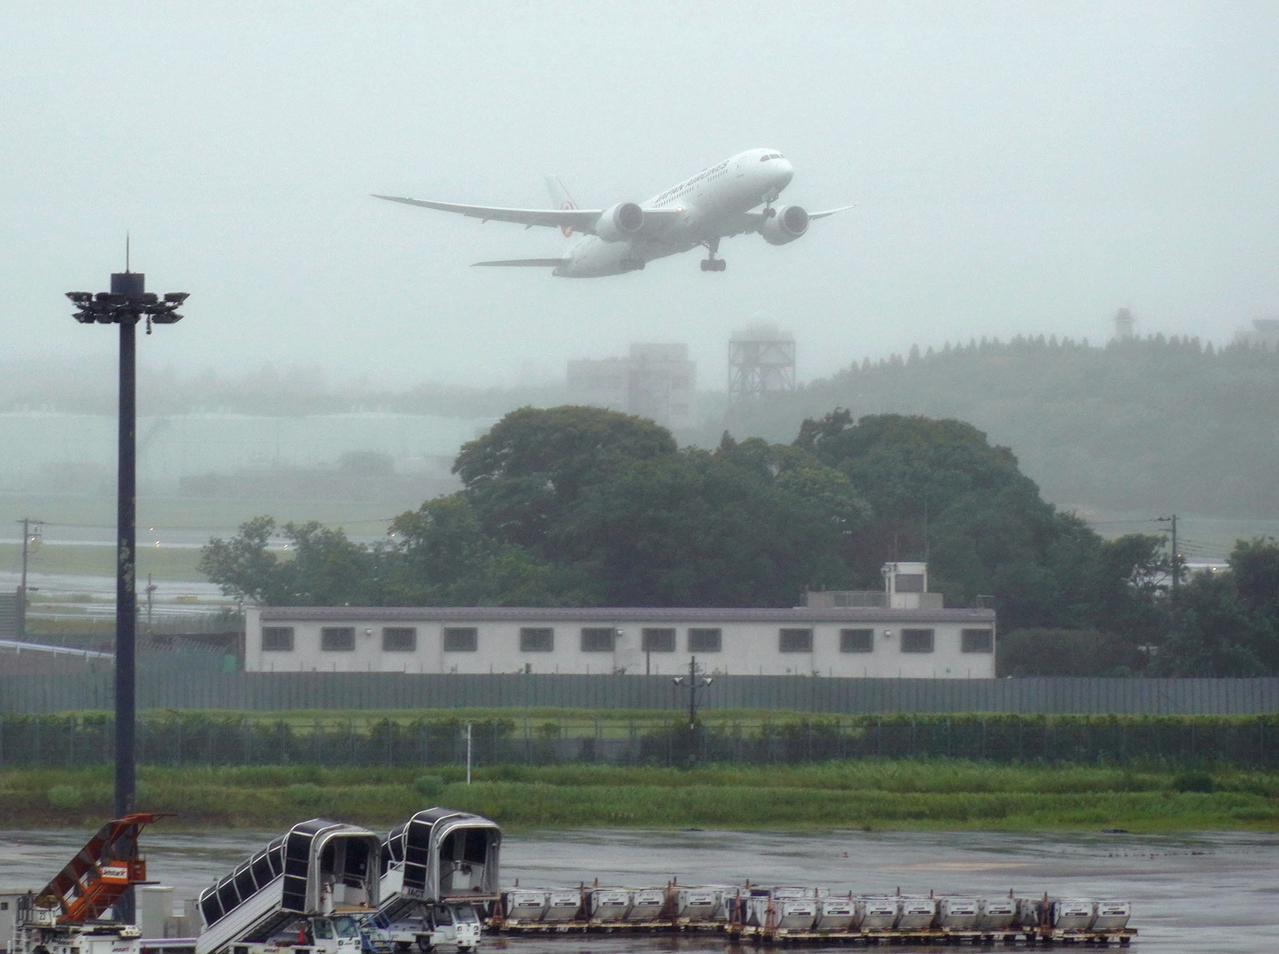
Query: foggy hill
{"x": 1156, "y": 424}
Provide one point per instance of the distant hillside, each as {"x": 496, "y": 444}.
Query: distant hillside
{"x": 1156, "y": 424}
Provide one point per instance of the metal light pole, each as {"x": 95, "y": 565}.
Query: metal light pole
{"x": 126, "y": 304}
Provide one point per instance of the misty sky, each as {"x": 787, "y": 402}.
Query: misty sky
{"x": 1019, "y": 168}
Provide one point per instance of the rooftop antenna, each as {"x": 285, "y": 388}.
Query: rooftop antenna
{"x": 126, "y": 252}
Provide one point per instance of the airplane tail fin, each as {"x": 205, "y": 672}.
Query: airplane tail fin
{"x": 561, "y": 200}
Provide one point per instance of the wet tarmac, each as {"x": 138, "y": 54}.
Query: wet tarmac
{"x": 1212, "y": 892}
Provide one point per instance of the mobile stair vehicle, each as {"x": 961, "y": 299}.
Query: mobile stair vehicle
{"x": 439, "y": 878}
{"x": 306, "y": 892}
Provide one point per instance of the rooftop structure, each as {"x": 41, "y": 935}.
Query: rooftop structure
{"x": 656, "y": 381}
{"x": 761, "y": 360}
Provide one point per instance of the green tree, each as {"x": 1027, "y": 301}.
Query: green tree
{"x": 319, "y": 567}
{"x": 242, "y": 567}
{"x": 1067, "y": 652}
{"x": 1227, "y": 623}
{"x": 697, "y": 529}
{"x": 524, "y": 475}
{"x": 1212, "y": 634}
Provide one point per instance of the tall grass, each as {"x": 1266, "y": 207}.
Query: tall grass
{"x": 862, "y": 794}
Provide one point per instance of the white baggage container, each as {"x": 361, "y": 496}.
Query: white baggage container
{"x": 957, "y": 914}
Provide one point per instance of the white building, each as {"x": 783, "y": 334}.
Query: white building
{"x": 807, "y": 640}
{"x": 657, "y": 381}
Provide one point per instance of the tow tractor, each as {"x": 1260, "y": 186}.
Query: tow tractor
{"x": 67, "y": 916}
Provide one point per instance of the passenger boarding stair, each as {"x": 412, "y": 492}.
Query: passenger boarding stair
{"x": 440, "y": 875}
{"x": 317, "y": 870}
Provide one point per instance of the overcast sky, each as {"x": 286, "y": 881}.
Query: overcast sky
{"x": 1019, "y": 168}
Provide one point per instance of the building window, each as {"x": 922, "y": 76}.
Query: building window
{"x": 795, "y": 641}
{"x": 909, "y": 583}
{"x": 399, "y": 639}
{"x": 536, "y": 639}
{"x": 277, "y": 639}
{"x": 917, "y": 640}
{"x": 856, "y": 640}
{"x": 598, "y": 639}
{"x": 704, "y": 640}
{"x": 337, "y": 639}
{"x": 977, "y": 641}
{"x": 461, "y": 639}
{"x": 658, "y": 640}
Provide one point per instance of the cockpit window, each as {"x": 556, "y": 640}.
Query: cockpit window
{"x": 770, "y": 155}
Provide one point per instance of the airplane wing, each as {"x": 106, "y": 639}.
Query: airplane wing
{"x": 754, "y": 221}
{"x": 822, "y": 215}
{"x": 576, "y": 220}
{"x": 580, "y": 220}
{"x": 528, "y": 262}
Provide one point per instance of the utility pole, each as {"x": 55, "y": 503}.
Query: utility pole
{"x": 150, "y": 594}
{"x": 29, "y": 526}
{"x": 1175, "y": 561}
{"x": 693, "y": 685}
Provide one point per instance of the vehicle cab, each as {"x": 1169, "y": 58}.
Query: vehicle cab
{"x": 456, "y": 924}
{"x": 335, "y": 935}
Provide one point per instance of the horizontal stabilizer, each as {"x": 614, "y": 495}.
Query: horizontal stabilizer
{"x": 528, "y": 262}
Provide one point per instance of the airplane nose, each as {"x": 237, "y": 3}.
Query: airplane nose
{"x": 784, "y": 172}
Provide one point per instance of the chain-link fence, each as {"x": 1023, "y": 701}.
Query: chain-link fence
{"x": 214, "y": 740}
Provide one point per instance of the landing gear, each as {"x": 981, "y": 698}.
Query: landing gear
{"x": 711, "y": 263}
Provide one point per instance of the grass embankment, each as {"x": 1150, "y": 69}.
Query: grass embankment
{"x": 868, "y": 794}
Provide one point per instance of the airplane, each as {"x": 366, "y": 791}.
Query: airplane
{"x": 717, "y": 203}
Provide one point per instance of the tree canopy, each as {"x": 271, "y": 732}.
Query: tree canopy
{"x": 580, "y": 506}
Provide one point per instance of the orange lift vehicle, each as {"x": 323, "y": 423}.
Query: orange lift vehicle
{"x": 67, "y": 915}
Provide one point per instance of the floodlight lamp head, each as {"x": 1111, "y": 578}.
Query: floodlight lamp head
{"x": 176, "y": 298}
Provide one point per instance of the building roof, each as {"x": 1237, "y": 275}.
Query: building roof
{"x": 629, "y": 614}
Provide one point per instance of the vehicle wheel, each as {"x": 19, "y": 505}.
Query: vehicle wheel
{"x": 706, "y": 266}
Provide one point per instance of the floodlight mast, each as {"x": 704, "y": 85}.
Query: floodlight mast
{"x": 126, "y": 304}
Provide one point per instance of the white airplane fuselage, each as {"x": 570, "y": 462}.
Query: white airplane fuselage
{"x": 706, "y": 203}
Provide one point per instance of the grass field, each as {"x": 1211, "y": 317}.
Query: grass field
{"x": 865, "y": 794}
{"x": 165, "y": 563}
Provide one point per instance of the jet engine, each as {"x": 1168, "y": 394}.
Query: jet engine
{"x": 622, "y": 222}
{"x": 790, "y": 222}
